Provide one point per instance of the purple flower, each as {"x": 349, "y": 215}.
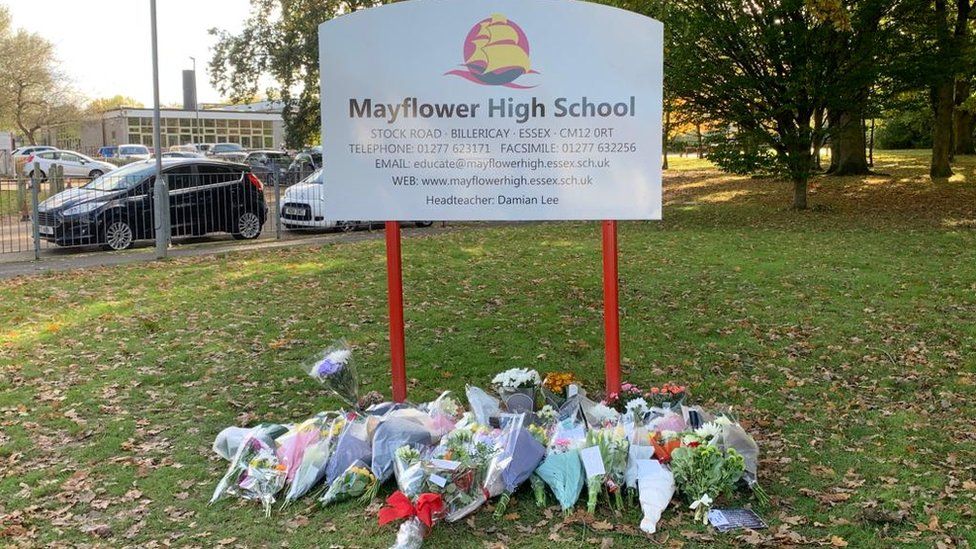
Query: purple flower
{"x": 327, "y": 368}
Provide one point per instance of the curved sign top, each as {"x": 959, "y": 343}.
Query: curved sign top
{"x": 492, "y": 110}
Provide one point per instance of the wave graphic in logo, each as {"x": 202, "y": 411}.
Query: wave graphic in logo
{"x": 496, "y": 53}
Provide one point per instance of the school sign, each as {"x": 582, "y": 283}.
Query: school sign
{"x": 492, "y": 110}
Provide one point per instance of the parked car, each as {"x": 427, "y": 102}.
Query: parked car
{"x": 202, "y": 148}
{"x": 305, "y": 163}
{"x": 181, "y": 154}
{"x": 303, "y": 207}
{"x": 134, "y": 152}
{"x": 266, "y": 162}
{"x": 21, "y": 153}
{"x": 108, "y": 152}
{"x": 74, "y": 164}
{"x": 115, "y": 210}
{"x": 228, "y": 151}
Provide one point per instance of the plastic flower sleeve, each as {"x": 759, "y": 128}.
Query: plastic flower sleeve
{"x": 410, "y": 535}
{"x": 393, "y": 433}
{"x": 526, "y": 455}
{"x": 353, "y": 445}
{"x": 335, "y": 369}
{"x": 408, "y": 469}
{"x": 292, "y": 445}
{"x": 656, "y": 487}
{"x": 494, "y": 481}
{"x": 483, "y": 406}
{"x": 355, "y": 482}
{"x": 312, "y": 468}
{"x": 258, "y": 438}
{"x": 563, "y": 473}
{"x": 263, "y": 478}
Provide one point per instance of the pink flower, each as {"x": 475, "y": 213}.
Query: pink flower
{"x": 627, "y": 386}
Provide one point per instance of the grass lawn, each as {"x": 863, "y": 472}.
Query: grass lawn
{"x": 844, "y": 337}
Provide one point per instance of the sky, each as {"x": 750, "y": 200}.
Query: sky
{"x": 105, "y": 45}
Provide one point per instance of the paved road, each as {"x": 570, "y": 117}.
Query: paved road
{"x": 78, "y": 258}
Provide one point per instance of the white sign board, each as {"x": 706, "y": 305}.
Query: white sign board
{"x": 492, "y": 110}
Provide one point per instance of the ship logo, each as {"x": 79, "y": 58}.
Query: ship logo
{"x": 496, "y": 53}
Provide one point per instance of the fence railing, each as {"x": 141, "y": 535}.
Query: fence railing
{"x": 207, "y": 201}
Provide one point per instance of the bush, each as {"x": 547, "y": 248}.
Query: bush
{"x": 905, "y": 129}
{"x": 742, "y": 154}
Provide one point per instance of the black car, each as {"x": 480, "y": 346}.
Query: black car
{"x": 205, "y": 196}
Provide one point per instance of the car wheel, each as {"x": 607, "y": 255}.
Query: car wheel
{"x": 424, "y": 223}
{"x": 95, "y": 174}
{"x": 248, "y": 226}
{"x": 118, "y": 235}
{"x": 347, "y": 226}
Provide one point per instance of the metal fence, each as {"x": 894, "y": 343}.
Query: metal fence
{"x": 42, "y": 209}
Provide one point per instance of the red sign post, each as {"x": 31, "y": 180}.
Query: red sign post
{"x": 611, "y": 310}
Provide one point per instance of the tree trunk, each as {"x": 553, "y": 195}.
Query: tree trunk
{"x": 799, "y": 193}
{"x": 698, "y": 134}
{"x": 942, "y": 97}
{"x": 871, "y": 145}
{"x": 667, "y": 131}
{"x": 847, "y": 144}
{"x": 963, "y": 121}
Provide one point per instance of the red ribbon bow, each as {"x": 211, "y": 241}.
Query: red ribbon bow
{"x": 398, "y": 506}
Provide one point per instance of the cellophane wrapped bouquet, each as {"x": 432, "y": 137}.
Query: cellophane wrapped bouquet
{"x": 255, "y": 472}
{"x": 562, "y": 470}
{"x": 520, "y": 454}
{"x": 356, "y": 482}
{"x": 315, "y": 457}
{"x": 335, "y": 369}
{"x": 614, "y": 446}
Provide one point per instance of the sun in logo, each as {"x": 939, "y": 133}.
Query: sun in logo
{"x": 496, "y": 53}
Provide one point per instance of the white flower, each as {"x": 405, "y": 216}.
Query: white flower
{"x": 604, "y": 414}
{"x": 637, "y": 408}
{"x": 340, "y": 356}
{"x": 722, "y": 420}
{"x": 668, "y": 435}
{"x": 709, "y": 431}
{"x": 547, "y": 414}
{"x": 517, "y": 378}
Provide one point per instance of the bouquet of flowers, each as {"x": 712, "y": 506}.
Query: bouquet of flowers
{"x": 555, "y": 387}
{"x": 601, "y": 416}
{"x": 335, "y": 369}
{"x": 541, "y": 434}
{"x": 521, "y": 454}
{"x": 562, "y": 469}
{"x": 444, "y": 412}
{"x": 733, "y": 437}
{"x": 292, "y": 445}
{"x": 356, "y": 482}
{"x": 517, "y": 387}
{"x": 420, "y": 514}
{"x": 668, "y": 396}
{"x": 457, "y": 468}
{"x": 613, "y": 447}
{"x": 408, "y": 470}
{"x": 407, "y": 427}
{"x": 353, "y": 444}
{"x": 484, "y": 407}
{"x": 254, "y": 473}
{"x": 703, "y": 472}
{"x": 315, "y": 458}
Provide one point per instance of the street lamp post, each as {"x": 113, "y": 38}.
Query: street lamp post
{"x": 196, "y": 104}
{"x": 160, "y": 192}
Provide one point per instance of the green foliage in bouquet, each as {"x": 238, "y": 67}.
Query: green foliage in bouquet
{"x": 704, "y": 472}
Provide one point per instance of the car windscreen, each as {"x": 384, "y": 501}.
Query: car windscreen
{"x": 315, "y": 179}
{"x": 134, "y": 150}
{"x": 125, "y": 177}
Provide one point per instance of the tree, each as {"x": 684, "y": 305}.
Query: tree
{"x": 279, "y": 40}
{"x": 33, "y": 92}
{"x": 760, "y": 66}
{"x": 100, "y": 105}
